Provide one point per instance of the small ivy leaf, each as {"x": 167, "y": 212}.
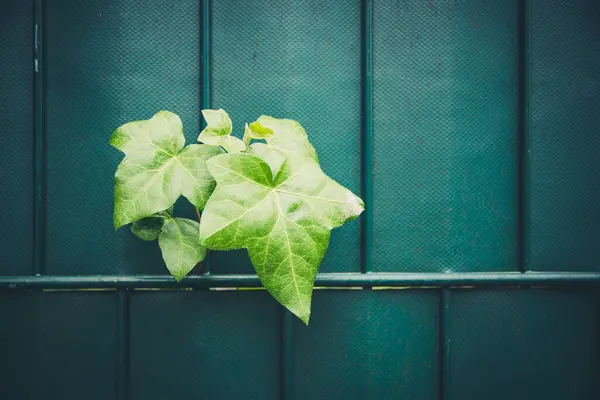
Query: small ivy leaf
{"x": 157, "y": 169}
{"x": 149, "y": 228}
{"x": 179, "y": 242}
{"x": 258, "y": 131}
{"x": 218, "y": 131}
{"x": 284, "y": 220}
{"x": 218, "y": 122}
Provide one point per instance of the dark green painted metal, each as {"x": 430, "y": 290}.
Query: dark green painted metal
{"x": 106, "y": 63}
{"x": 205, "y": 344}
{"x": 564, "y": 141}
{"x": 379, "y": 345}
{"x": 206, "y": 54}
{"x": 445, "y": 136}
{"x": 58, "y": 346}
{"x": 122, "y": 377}
{"x": 39, "y": 156}
{"x": 367, "y": 140}
{"x": 16, "y": 136}
{"x": 524, "y": 344}
{"x": 445, "y": 340}
{"x": 287, "y": 356}
{"x": 480, "y": 140}
{"x": 524, "y": 211}
{"x": 332, "y": 279}
{"x": 205, "y": 74}
{"x": 301, "y": 60}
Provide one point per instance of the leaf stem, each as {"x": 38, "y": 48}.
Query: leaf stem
{"x": 247, "y": 137}
{"x": 200, "y": 267}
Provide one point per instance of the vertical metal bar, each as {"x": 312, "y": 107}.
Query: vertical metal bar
{"x": 367, "y": 135}
{"x": 205, "y": 77}
{"x": 38, "y": 151}
{"x": 287, "y": 362}
{"x": 123, "y": 345}
{"x": 445, "y": 344}
{"x": 524, "y": 59}
{"x": 206, "y": 53}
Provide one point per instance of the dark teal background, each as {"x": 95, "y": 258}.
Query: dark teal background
{"x": 486, "y": 151}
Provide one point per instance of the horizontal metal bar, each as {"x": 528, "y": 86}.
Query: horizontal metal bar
{"x": 393, "y": 279}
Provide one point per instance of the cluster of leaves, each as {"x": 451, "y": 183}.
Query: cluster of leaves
{"x": 269, "y": 196}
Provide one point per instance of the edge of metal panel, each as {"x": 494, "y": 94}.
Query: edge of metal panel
{"x": 205, "y": 78}
{"x": 367, "y": 135}
{"x": 122, "y": 369}
{"x": 524, "y": 117}
{"x": 39, "y": 142}
{"x": 287, "y": 352}
{"x": 445, "y": 342}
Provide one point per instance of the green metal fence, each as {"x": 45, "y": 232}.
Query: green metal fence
{"x": 468, "y": 126}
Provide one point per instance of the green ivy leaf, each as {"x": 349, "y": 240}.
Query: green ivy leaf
{"x": 149, "y": 228}
{"x": 157, "y": 168}
{"x": 284, "y": 220}
{"x": 258, "y": 131}
{"x": 218, "y": 131}
{"x": 272, "y": 156}
{"x": 179, "y": 242}
{"x": 286, "y": 139}
{"x": 289, "y": 137}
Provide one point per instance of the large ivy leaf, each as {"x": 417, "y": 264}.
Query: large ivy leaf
{"x": 149, "y": 228}
{"x": 272, "y": 156}
{"x": 157, "y": 168}
{"x": 283, "y": 219}
{"x": 218, "y": 131}
{"x": 179, "y": 242}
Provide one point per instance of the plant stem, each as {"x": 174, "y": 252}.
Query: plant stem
{"x": 247, "y": 138}
{"x": 200, "y": 267}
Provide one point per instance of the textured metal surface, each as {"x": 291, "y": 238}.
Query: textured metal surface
{"x": 445, "y": 127}
{"x": 123, "y": 339}
{"x": 524, "y": 344}
{"x": 213, "y": 345}
{"x": 448, "y": 109}
{"x": 367, "y": 136}
{"x": 206, "y": 80}
{"x": 39, "y": 154}
{"x": 298, "y": 60}
{"x": 109, "y": 62}
{"x": 379, "y": 345}
{"x": 565, "y": 144}
{"x": 58, "y": 346}
{"x": 16, "y": 136}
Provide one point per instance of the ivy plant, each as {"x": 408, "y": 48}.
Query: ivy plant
{"x": 265, "y": 193}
